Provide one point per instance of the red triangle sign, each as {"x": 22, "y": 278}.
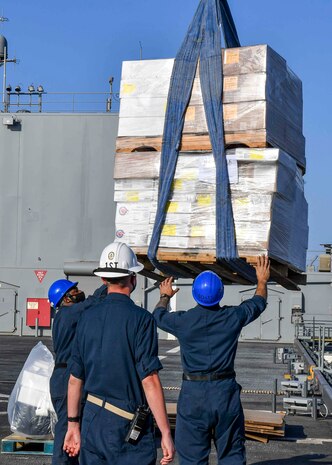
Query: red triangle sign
{"x": 40, "y": 274}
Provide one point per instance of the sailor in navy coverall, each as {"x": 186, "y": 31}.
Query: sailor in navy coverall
{"x": 115, "y": 357}
{"x": 209, "y": 406}
{"x": 70, "y": 303}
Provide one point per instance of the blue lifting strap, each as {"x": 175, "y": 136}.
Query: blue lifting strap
{"x": 203, "y": 43}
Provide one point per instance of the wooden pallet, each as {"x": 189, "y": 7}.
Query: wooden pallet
{"x": 256, "y": 437}
{"x": 193, "y": 142}
{"x": 261, "y": 426}
{"x": 190, "y": 263}
{"x": 15, "y": 444}
{"x": 267, "y": 419}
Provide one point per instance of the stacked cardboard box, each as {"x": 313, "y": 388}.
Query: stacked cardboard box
{"x": 266, "y": 192}
{"x": 262, "y": 102}
{"x": 134, "y": 202}
{"x": 262, "y": 93}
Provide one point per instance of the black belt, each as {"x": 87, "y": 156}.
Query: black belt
{"x": 60, "y": 365}
{"x": 208, "y": 376}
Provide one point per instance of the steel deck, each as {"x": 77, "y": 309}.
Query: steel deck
{"x": 307, "y": 442}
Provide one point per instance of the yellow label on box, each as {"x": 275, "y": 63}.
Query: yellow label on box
{"x": 197, "y": 231}
{"x": 169, "y": 230}
{"x": 204, "y": 199}
{"x": 230, "y": 111}
{"x": 177, "y": 185}
{"x": 256, "y": 155}
{"x": 231, "y": 56}
{"x": 189, "y": 174}
{"x": 128, "y": 89}
{"x": 190, "y": 114}
{"x": 172, "y": 207}
{"x": 132, "y": 196}
{"x": 230, "y": 83}
{"x": 243, "y": 201}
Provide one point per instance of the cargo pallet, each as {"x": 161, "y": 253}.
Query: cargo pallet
{"x": 189, "y": 264}
{"x": 193, "y": 142}
{"x": 14, "y": 444}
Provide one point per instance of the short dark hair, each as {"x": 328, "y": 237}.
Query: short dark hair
{"x": 121, "y": 281}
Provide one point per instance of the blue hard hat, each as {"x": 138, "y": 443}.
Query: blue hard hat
{"x": 58, "y": 290}
{"x": 208, "y": 289}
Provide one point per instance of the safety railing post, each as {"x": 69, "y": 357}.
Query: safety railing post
{"x": 323, "y": 349}
{"x": 314, "y": 408}
{"x": 36, "y": 328}
{"x": 274, "y": 396}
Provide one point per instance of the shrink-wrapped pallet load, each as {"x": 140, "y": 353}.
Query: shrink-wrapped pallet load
{"x": 263, "y": 111}
{"x": 266, "y": 191}
{"x": 262, "y": 101}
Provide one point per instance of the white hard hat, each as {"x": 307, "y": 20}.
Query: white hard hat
{"x": 117, "y": 260}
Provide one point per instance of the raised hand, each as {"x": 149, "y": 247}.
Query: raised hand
{"x": 263, "y": 269}
{"x": 166, "y": 287}
{"x": 263, "y": 275}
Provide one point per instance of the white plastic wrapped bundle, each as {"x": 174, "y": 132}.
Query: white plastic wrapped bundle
{"x": 251, "y": 207}
{"x": 133, "y": 213}
{"x": 200, "y": 203}
{"x": 146, "y": 77}
{"x": 251, "y": 59}
{"x": 30, "y": 409}
{"x": 197, "y": 217}
{"x": 133, "y": 235}
{"x": 250, "y": 118}
{"x": 137, "y": 185}
{"x": 132, "y": 222}
{"x": 288, "y": 239}
{"x": 136, "y": 165}
{"x": 185, "y": 242}
{"x": 136, "y": 199}
{"x": 134, "y": 195}
{"x": 262, "y": 100}
{"x": 259, "y": 73}
{"x": 266, "y": 190}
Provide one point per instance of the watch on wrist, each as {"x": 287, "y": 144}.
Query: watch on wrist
{"x": 165, "y": 295}
{"x": 73, "y": 419}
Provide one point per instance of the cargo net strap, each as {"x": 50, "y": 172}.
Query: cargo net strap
{"x": 202, "y": 43}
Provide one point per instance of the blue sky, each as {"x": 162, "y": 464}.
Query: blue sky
{"x": 77, "y": 45}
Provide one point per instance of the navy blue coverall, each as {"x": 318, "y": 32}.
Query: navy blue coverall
{"x": 63, "y": 332}
{"x": 115, "y": 348}
{"x": 207, "y": 410}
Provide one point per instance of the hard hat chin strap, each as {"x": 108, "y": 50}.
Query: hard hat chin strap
{"x": 133, "y": 281}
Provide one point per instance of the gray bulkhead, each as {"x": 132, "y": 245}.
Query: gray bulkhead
{"x": 56, "y": 206}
